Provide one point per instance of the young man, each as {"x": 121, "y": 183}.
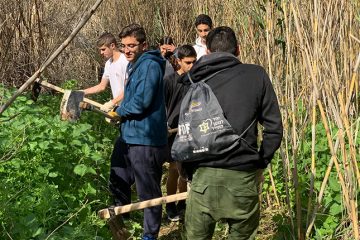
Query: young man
{"x": 226, "y": 188}
{"x": 203, "y": 24}
{"x": 114, "y": 73}
{"x": 143, "y": 137}
{"x": 174, "y": 93}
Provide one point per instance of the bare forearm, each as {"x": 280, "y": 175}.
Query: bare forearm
{"x": 93, "y": 90}
{"x": 118, "y": 98}
{"x": 97, "y": 88}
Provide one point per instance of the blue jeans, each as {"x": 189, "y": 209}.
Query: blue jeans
{"x": 141, "y": 165}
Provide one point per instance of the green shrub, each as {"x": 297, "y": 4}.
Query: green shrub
{"x": 53, "y": 174}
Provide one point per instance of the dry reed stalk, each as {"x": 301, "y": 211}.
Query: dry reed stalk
{"x": 315, "y": 27}
{"x": 273, "y": 186}
{"x": 269, "y": 29}
{"x": 319, "y": 199}
{"x": 352, "y": 83}
{"x": 345, "y": 120}
{"x": 312, "y": 67}
{"x": 285, "y": 162}
{"x": 288, "y": 75}
{"x": 313, "y": 162}
{"x": 348, "y": 173}
{"x": 297, "y": 194}
{"x": 352, "y": 187}
{"x": 303, "y": 45}
{"x": 349, "y": 180}
{"x": 295, "y": 169}
{"x": 337, "y": 166}
{"x": 284, "y": 151}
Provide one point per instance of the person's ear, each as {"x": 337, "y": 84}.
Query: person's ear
{"x": 237, "y": 53}
{"x": 207, "y": 51}
{"x": 112, "y": 46}
{"x": 145, "y": 46}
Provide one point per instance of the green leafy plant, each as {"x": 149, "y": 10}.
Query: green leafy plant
{"x": 53, "y": 174}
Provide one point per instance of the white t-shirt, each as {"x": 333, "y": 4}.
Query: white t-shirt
{"x": 200, "y": 48}
{"x": 115, "y": 73}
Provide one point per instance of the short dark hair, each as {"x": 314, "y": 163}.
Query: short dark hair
{"x": 222, "y": 39}
{"x": 203, "y": 19}
{"x": 166, "y": 40}
{"x": 134, "y": 30}
{"x": 106, "y": 39}
{"x": 185, "y": 51}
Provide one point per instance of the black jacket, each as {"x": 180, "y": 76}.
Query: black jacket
{"x": 175, "y": 90}
{"x": 245, "y": 93}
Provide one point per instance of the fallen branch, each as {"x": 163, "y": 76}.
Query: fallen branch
{"x": 53, "y": 56}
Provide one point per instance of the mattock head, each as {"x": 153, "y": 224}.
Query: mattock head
{"x": 70, "y": 105}
{"x": 35, "y": 91}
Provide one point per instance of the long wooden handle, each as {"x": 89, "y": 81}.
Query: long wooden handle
{"x": 59, "y": 89}
{"x": 105, "y": 213}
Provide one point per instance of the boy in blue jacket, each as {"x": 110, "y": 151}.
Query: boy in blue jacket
{"x": 143, "y": 126}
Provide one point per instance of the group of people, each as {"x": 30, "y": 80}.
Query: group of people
{"x": 148, "y": 87}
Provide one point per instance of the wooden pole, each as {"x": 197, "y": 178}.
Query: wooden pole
{"x": 53, "y": 56}
{"x": 105, "y": 213}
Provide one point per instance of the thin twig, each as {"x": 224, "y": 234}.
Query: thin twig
{"x": 10, "y": 118}
{"x": 73, "y": 215}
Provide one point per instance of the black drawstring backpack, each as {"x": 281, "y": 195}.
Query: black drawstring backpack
{"x": 203, "y": 132}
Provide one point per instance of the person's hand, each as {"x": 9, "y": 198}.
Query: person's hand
{"x": 172, "y": 131}
{"x": 112, "y": 113}
{"x": 168, "y": 132}
{"x": 115, "y": 118}
{"x": 114, "y": 122}
{"x": 108, "y": 106}
{"x": 171, "y": 48}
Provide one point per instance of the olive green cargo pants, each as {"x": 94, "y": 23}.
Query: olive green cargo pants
{"x": 222, "y": 194}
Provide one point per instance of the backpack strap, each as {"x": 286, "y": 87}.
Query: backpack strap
{"x": 208, "y": 77}
{"x": 247, "y": 129}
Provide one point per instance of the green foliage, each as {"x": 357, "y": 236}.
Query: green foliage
{"x": 53, "y": 177}
{"x": 330, "y": 216}
{"x": 53, "y": 174}
{"x": 70, "y": 84}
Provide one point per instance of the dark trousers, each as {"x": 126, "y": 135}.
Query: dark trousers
{"x": 141, "y": 165}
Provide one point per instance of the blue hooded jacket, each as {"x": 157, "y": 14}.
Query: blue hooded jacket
{"x": 143, "y": 108}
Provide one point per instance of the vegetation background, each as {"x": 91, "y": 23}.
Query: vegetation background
{"x": 53, "y": 174}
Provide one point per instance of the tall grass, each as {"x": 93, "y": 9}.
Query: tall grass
{"x": 311, "y": 50}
